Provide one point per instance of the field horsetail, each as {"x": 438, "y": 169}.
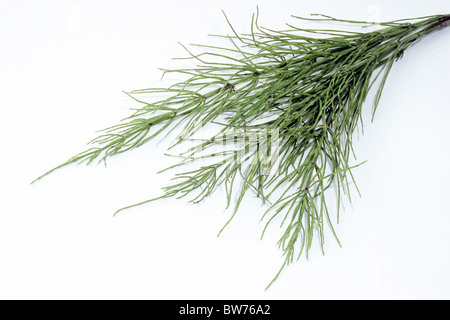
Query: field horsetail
{"x": 283, "y": 106}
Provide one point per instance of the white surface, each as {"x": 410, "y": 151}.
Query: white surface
{"x": 63, "y": 67}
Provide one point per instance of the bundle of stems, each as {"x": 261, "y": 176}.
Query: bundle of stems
{"x": 303, "y": 88}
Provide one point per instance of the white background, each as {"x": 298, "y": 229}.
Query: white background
{"x": 63, "y": 66}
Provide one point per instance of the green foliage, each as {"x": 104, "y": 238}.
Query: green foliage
{"x": 305, "y": 88}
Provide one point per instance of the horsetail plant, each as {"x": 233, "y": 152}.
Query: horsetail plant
{"x": 285, "y": 105}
